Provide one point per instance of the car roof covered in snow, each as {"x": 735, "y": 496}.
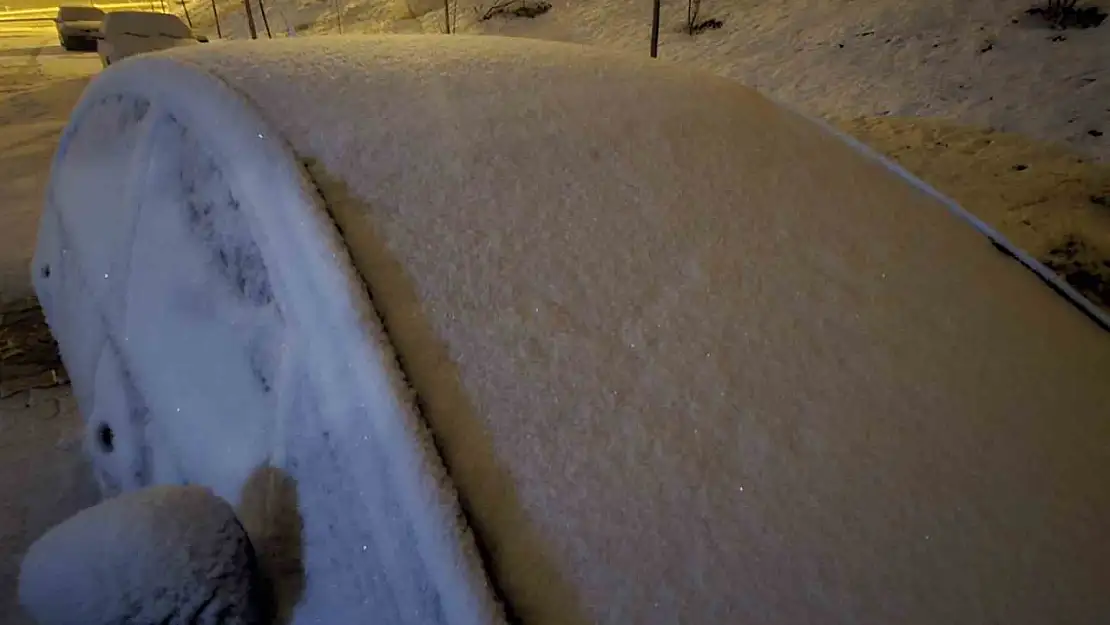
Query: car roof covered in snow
{"x": 665, "y": 350}
{"x": 71, "y": 13}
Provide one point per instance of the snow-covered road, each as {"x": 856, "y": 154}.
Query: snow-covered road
{"x": 39, "y": 84}
{"x": 43, "y": 477}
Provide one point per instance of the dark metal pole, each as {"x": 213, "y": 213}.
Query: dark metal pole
{"x": 250, "y": 19}
{"x": 186, "y": 10}
{"x": 655, "y": 28}
{"x": 216, "y": 15}
{"x": 265, "y": 22}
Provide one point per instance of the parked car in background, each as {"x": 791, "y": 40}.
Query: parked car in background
{"x": 126, "y": 33}
{"x": 78, "y": 27}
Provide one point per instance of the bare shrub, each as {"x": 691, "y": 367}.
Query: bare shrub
{"x": 694, "y": 24}
{"x": 693, "y": 7}
{"x": 1063, "y": 14}
{"x": 1083, "y": 266}
{"x": 513, "y": 8}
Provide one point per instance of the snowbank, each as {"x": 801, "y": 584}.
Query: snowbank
{"x": 686, "y": 356}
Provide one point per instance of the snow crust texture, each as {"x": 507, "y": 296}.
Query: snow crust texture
{"x": 169, "y": 555}
{"x": 689, "y": 357}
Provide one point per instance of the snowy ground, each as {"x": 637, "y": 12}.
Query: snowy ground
{"x": 39, "y": 84}
{"x": 43, "y": 478}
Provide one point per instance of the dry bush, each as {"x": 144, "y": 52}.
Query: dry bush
{"x": 694, "y": 24}
{"x": 1063, "y": 14}
{"x": 513, "y": 8}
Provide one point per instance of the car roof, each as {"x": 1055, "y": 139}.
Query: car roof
{"x": 146, "y": 23}
{"x": 78, "y": 13}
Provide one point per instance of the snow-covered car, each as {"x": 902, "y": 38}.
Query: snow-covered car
{"x": 497, "y": 325}
{"x": 78, "y": 27}
{"x": 126, "y": 33}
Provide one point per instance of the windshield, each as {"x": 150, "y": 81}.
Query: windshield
{"x": 80, "y": 14}
{"x": 148, "y": 24}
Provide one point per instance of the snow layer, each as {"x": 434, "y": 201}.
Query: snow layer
{"x": 215, "y": 331}
{"x": 168, "y": 555}
{"x": 688, "y": 357}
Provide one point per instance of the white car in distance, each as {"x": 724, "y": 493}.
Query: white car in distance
{"x": 78, "y": 26}
{"x": 126, "y": 33}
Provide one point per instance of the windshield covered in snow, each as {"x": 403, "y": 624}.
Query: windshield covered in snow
{"x": 146, "y": 24}
{"x": 80, "y": 14}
